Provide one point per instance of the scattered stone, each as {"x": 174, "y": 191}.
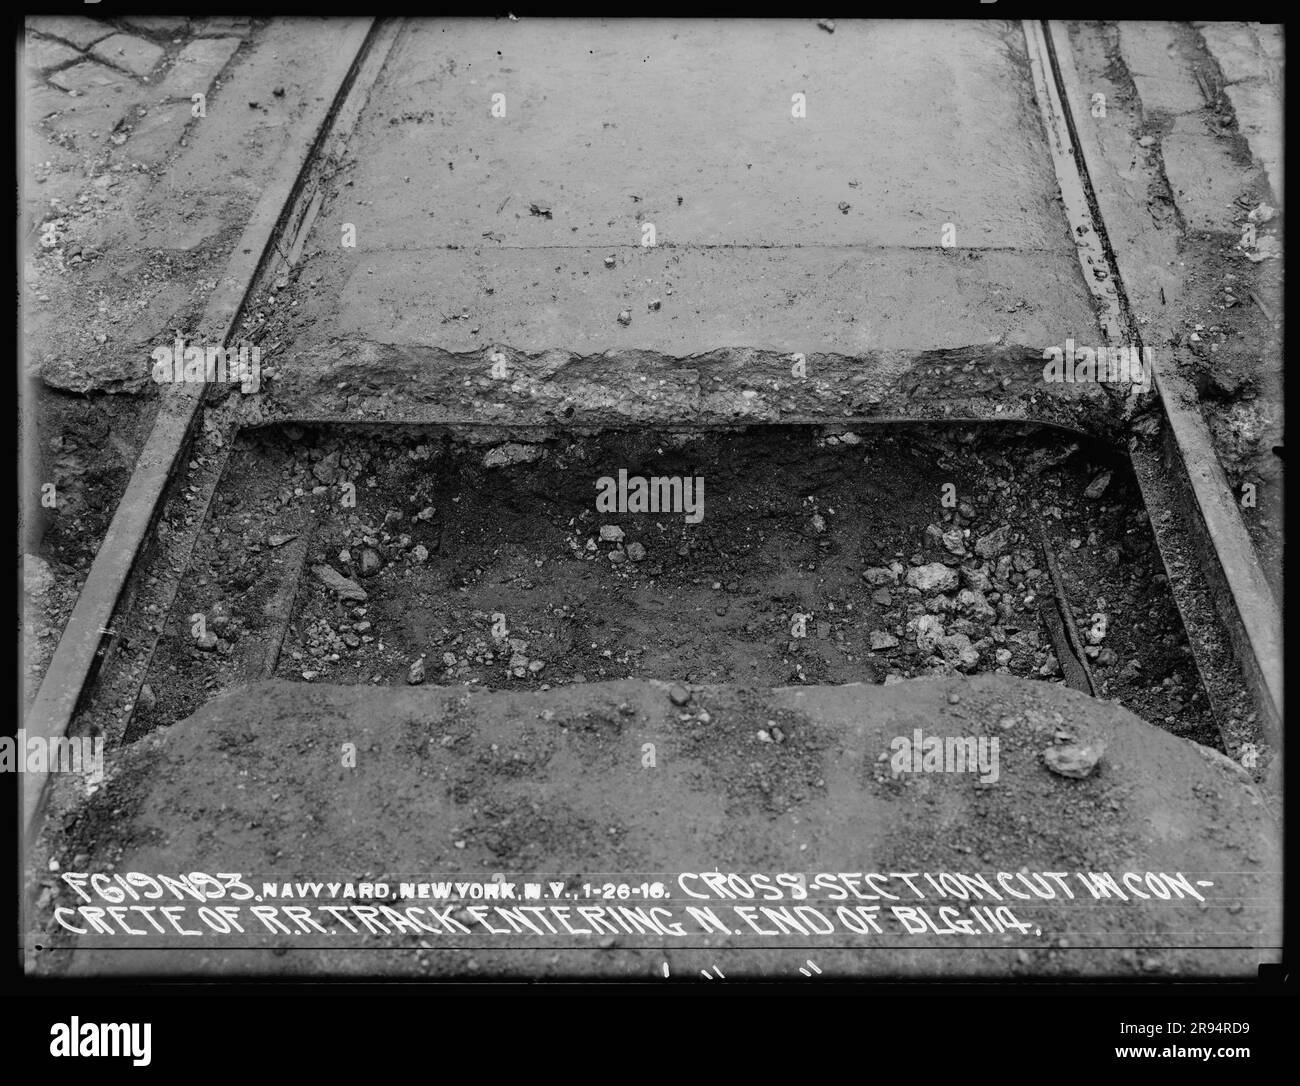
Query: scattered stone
{"x": 625, "y": 317}
{"x": 37, "y": 576}
{"x": 543, "y": 210}
{"x": 636, "y": 552}
{"x": 881, "y": 597}
{"x": 957, "y": 649}
{"x": 878, "y": 575}
{"x": 279, "y": 539}
{"x": 336, "y": 582}
{"x": 655, "y": 305}
{"x": 1076, "y": 760}
{"x": 818, "y": 524}
{"x": 326, "y": 469}
{"x": 927, "y": 629}
{"x": 764, "y": 736}
{"x": 609, "y": 261}
{"x": 827, "y": 25}
{"x": 371, "y": 562}
{"x": 420, "y": 553}
{"x": 512, "y": 453}
{"x": 934, "y": 577}
{"x": 1107, "y": 657}
{"x": 977, "y": 580}
{"x": 678, "y": 694}
{"x": 1097, "y": 487}
{"x": 882, "y": 640}
{"x": 844, "y": 207}
{"x": 611, "y": 533}
{"x": 974, "y": 603}
{"x": 953, "y": 542}
{"x": 993, "y": 544}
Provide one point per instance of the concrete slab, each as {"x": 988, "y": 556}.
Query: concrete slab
{"x": 1258, "y": 107}
{"x": 1237, "y": 49}
{"x": 40, "y": 54}
{"x": 79, "y": 31}
{"x": 816, "y": 232}
{"x": 90, "y": 77}
{"x": 1203, "y": 175}
{"x": 810, "y": 298}
{"x": 158, "y": 133}
{"x": 635, "y": 782}
{"x": 136, "y": 55}
{"x": 1164, "y": 80}
{"x": 197, "y": 66}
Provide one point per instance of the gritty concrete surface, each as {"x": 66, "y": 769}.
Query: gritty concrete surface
{"x": 638, "y": 781}
{"x": 76, "y": 30}
{"x": 822, "y": 232}
{"x": 135, "y": 55}
{"x": 1204, "y": 175}
{"x": 1152, "y": 54}
{"x": 1251, "y": 58}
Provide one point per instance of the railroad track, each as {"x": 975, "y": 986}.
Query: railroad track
{"x": 100, "y": 667}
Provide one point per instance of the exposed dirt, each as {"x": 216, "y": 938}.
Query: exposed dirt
{"x": 501, "y": 575}
{"x": 130, "y": 209}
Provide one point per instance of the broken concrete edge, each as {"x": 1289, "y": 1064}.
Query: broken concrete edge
{"x": 1208, "y": 512}
{"x": 367, "y": 381}
{"x": 74, "y": 659}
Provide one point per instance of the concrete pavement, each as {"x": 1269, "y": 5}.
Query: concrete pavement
{"x": 823, "y": 232}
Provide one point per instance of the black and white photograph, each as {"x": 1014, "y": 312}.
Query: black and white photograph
{"x": 650, "y": 501}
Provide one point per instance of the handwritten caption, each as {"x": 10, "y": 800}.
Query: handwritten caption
{"x": 906, "y": 904}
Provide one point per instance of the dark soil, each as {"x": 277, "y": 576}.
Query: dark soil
{"x": 794, "y": 520}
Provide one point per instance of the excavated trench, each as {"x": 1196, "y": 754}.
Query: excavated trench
{"x": 810, "y": 555}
